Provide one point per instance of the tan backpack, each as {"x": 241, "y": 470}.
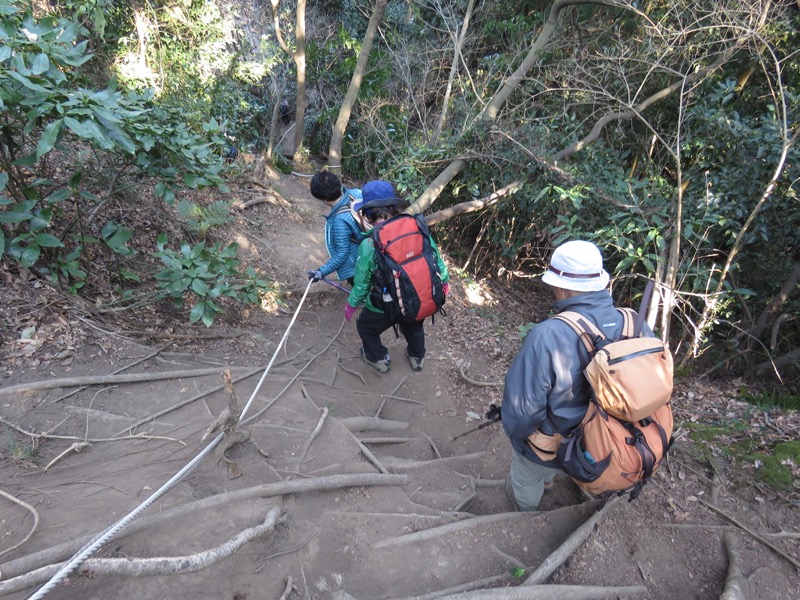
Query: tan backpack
{"x": 627, "y": 429}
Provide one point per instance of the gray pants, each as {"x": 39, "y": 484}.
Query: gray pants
{"x": 526, "y": 481}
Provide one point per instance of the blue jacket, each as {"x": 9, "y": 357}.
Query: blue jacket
{"x": 342, "y": 236}
{"x": 545, "y": 388}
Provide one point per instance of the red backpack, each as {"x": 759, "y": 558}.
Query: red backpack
{"x": 407, "y": 282}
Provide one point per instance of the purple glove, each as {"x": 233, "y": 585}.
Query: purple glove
{"x": 446, "y": 288}
{"x": 348, "y": 311}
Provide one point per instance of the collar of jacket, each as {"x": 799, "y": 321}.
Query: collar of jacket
{"x": 589, "y": 300}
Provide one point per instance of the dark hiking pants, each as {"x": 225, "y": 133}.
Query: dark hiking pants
{"x": 371, "y": 325}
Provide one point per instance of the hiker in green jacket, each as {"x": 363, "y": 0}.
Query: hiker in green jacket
{"x": 381, "y": 204}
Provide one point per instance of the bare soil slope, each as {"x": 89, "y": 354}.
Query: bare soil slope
{"x": 355, "y": 477}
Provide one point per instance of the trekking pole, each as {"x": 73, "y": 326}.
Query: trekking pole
{"x": 474, "y": 429}
{"x": 336, "y": 285}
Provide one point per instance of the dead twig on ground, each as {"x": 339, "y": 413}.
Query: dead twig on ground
{"x": 389, "y": 395}
{"x": 295, "y": 377}
{"x": 350, "y": 371}
{"x": 478, "y": 383}
{"x": 142, "y": 567}
{"x": 31, "y": 510}
{"x": 750, "y": 532}
{"x": 385, "y": 440}
{"x": 75, "y": 447}
{"x": 565, "y": 550}
{"x": 70, "y": 438}
{"x": 268, "y": 490}
{"x": 50, "y": 384}
{"x": 314, "y": 435}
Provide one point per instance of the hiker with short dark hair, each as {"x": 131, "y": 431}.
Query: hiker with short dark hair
{"x": 546, "y": 394}
{"x": 380, "y": 204}
{"x": 343, "y": 233}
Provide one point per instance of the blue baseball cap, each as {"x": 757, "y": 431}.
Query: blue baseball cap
{"x": 377, "y": 193}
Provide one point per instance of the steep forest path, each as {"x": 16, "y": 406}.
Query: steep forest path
{"x": 353, "y": 478}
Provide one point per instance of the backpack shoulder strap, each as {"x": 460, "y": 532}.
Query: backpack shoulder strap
{"x": 628, "y": 322}
{"x": 588, "y": 333}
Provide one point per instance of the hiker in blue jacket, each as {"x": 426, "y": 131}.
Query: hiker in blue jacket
{"x": 342, "y": 232}
{"x": 546, "y": 394}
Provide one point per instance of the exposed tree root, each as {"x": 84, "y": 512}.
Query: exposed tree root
{"x": 551, "y": 592}
{"x": 537, "y": 592}
{"x": 733, "y": 582}
{"x": 297, "y": 486}
{"x": 750, "y": 532}
{"x": 565, "y": 550}
{"x": 435, "y": 532}
{"x": 448, "y": 461}
{"x": 116, "y": 372}
{"x": 372, "y": 424}
{"x": 50, "y": 384}
{"x": 144, "y": 567}
{"x": 30, "y": 509}
{"x": 183, "y": 403}
{"x": 478, "y": 383}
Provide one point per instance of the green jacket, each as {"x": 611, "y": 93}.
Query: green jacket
{"x": 367, "y": 264}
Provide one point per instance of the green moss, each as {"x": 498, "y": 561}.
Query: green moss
{"x": 775, "y": 467}
{"x": 776, "y": 470}
{"x": 772, "y": 399}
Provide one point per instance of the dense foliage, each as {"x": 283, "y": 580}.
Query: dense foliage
{"x": 663, "y": 130}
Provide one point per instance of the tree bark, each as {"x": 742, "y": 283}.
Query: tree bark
{"x": 335, "y": 148}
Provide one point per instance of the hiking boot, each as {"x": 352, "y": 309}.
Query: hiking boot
{"x": 416, "y": 363}
{"x": 380, "y": 365}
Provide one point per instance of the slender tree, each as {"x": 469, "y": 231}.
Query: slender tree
{"x": 335, "y": 149}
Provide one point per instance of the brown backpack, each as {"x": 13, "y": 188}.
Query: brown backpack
{"x": 627, "y": 429}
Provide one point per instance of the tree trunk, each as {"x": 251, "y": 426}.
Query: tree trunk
{"x": 335, "y": 149}
{"x": 300, "y": 63}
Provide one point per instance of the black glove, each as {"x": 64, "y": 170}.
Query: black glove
{"x": 314, "y": 275}
{"x": 493, "y": 413}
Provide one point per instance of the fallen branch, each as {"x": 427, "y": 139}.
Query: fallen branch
{"x": 297, "y": 486}
{"x": 733, "y": 582}
{"x": 565, "y": 550}
{"x": 479, "y": 383}
{"x": 144, "y": 567}
{"x": 49, "y": 384}
{"x": 750, "y": 532}
{"x": 30, "y": 509}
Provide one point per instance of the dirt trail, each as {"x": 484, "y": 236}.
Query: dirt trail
{"x": 436, "y": 516}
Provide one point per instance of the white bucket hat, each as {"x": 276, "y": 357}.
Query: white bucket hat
{"x": 577, "y": 266}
